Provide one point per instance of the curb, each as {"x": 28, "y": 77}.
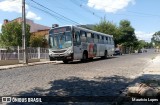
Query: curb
{"x": 25, "y": 65}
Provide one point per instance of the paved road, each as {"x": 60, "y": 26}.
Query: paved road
{"x": 100, "y": 77}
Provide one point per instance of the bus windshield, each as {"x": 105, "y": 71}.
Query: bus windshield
{"x": 60, "y": 40}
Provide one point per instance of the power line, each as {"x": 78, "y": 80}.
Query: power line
{"x": 68, "y": 9}
{"x": 56, "y": 17}
{"x": 55, "y": 12}
{"x": 82, "y": 6}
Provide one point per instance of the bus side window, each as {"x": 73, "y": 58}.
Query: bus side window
{"x": 83, "y": 36}
{"x": 51, "y": 44}
{"x": 106, "y": 40}
{"x": 77, "y": 37}
{"x": 109, "y": 40}
{"x": 95, "y": 38}
{"x": 102, "y": 39}
{"x": 98, "y": 37}
{"x": 112, "y": 41}
{"x": 89, "y": 37}
{"x": 92, "y": 37}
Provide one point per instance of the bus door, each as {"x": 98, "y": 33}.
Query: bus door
{"x": 77, "y": 45}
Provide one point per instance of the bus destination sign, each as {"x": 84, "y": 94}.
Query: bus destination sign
{"x": 63, "y": 29}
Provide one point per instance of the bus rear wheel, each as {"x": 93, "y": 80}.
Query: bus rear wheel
{"x": 105, "y": 55}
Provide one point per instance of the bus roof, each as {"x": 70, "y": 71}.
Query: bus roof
{"x": 81, "y": 28}
{"x": 93, "y": 31}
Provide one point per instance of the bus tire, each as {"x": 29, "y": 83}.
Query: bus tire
{"x": 105, "y": 55}
{"x": 85, "y": 57}
{"x": 65, "y": 61}
{"x": 90, "y": 59}
{"x": 51, "y": 59}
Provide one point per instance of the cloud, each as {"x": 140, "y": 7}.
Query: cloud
{"x": 31, "y": 15}
{"x": 11, "y": 6}
{"x": 144, "y": 35}
{"x": 109, "y": 5}
{"x": 16, "y": 6}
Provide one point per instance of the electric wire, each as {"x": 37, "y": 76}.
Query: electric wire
{"x": 56, "y": 13}
{"x": 83, "y": 7}
{"x": 56, "y": 17}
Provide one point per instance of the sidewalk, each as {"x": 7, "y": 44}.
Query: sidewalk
{"x": 24, "y": 65}
{"x": 150, "y": 76}
{"x": 152, "y": 72}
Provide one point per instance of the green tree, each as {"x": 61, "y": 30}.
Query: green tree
{"x": 123, "y": 35}
{"x": 0, "y": 40}
{"x": 142, "y": 44}
{"x": 149, "y": 45}
{"x": 12, "y": 34}
{"x": 127, "y": 37}
{"x": 38, "y": 41}
{"x": 156, "y": 38}
{"x": 108, "y": 28}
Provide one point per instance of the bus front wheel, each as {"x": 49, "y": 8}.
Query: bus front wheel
{"x": 65, "y": 61}
{"x": 105, "y": 55}
{"x": 51, "y": 59}
{"x": 85, "y": 57}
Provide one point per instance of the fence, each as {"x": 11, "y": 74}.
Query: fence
{"x": 16, "y": 53}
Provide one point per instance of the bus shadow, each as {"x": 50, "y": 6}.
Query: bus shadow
{"x": 76, "y": 90}
{"x": 93, "y": 60}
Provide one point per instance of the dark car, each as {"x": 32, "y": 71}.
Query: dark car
{"x": 140, "y": 51}
{"x": 145, "y": 50}
{"x": 117, "y": 52}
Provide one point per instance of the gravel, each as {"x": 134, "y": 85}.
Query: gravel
{"x": 100, "y": 77}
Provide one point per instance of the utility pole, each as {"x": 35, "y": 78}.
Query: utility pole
{"x": 25, "y": 54}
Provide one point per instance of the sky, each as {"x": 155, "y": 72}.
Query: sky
{"x": 144, "y": 15}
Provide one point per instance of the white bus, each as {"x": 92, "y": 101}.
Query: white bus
{"x": 70, "y": 43}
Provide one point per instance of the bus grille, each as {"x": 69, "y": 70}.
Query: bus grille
{"x": 60, "y": 51}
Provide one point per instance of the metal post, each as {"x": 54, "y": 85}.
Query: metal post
{"x": 0, "y": 54}
{"x": 18, "y": 52}
{"x": 39, "y": 52}
{"x": 25, "y": 56}
{"x": 45, "y": 52}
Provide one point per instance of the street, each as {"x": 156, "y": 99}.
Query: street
{"x": 100, "y": 77}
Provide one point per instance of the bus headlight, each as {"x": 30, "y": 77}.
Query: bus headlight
{"x": 69, "y": 51}
{"x": 50, "y": 52}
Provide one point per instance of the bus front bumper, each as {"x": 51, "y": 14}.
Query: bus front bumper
{"x": 62, "y": 57}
